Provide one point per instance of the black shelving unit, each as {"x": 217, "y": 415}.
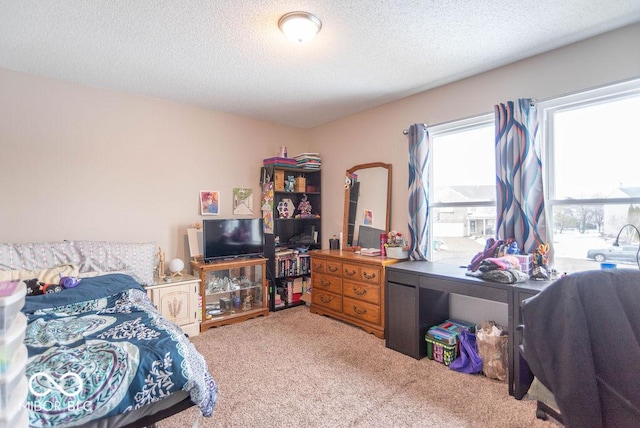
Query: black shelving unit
{"x": 286, "y": 249}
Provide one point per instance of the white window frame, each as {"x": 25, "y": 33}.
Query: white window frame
{"x": 548, "y": 108}
{"x": 442, "y": 130}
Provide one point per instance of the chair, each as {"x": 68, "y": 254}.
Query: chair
{"x": 581, "y": 340}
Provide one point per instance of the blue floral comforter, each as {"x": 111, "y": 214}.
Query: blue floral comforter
{"x": 102, "y": 349}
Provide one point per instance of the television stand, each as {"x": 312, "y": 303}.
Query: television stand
{"x": 232, "y": 291}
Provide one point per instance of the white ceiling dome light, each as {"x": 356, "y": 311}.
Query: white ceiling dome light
{"x": 301, "y": 27}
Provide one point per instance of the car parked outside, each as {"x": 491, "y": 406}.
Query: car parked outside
{"x": 623, "y": 253}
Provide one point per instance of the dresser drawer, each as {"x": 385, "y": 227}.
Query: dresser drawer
{"x": 362, "y": 310}
{"x": 362, "y": 291}
{"x": 333, "y": 268}
{"x": 326, "y": 300}
{"x": 353, "y": 272}
{"x": 320, "y": 281}
{"x": 365, "y": 273}
{"x": 317, "y": 265}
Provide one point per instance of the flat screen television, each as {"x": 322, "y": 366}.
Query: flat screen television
{"x": 231, "y": 238}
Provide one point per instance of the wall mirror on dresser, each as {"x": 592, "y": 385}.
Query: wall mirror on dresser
{"x": 367, "y": 204}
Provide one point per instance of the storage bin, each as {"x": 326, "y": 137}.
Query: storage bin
{"x": 448, "y": 331}
{"x": 11, "y": 304}
{"x": 19, "y": 420}
{"x": 10, "y": 340}
{"x": 11, "y": 414}
{"x": 300, "y": 184}
{"x": 525, "y": 262}
{"x": 10, "y": 380}
{"x": 441, "y": 352}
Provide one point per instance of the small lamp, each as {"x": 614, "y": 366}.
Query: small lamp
{"x": 300, "y": 27}
{"x": 175, "y": 267}
{"x": 617, "y": 243}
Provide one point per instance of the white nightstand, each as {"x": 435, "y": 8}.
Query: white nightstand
{"x": 177, "y": 300}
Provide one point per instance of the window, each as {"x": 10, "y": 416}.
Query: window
{"x": 462, "y": 199}
{"x": 592, "y": 179}
{"x": 592, "y": 188}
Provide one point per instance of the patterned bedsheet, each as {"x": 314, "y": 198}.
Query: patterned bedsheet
{"x": 102, "y": 349}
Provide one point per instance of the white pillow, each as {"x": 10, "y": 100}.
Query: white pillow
{"x": 135, "y": 259}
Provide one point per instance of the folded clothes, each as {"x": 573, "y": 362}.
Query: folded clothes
{"x": 500, "y": 263}
{"x": 504, "y": 276}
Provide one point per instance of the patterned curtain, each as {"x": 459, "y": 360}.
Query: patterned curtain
{"x": 418, "y": 191}
{"x": 520, "y": 198}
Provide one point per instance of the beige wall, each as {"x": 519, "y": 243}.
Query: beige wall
{"x": 86, "y": 163}
{"x": 376, "y": 134}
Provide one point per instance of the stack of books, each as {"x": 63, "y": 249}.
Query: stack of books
{"x": 308, "y": 160}
{"x": 277, "y": 161}
{"x": 289, "y": 262}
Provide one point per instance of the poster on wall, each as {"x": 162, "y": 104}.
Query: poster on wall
{"x": 368, "y": 217}
{"x": 209, "y": 202}
{"x": 242, "y": 201}
{"x": 266, "y": 206}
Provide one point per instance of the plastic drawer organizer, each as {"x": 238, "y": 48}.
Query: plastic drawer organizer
{"x": 442, "y": 340}
{"x": 13, "y": 355}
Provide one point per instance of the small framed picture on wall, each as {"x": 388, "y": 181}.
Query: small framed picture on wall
{"x": 368, "y": 217}
{"x": 209, "y": 202}
{"x": 242, "y": 201}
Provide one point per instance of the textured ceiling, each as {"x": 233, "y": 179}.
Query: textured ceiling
{"x": 229, "y": 55}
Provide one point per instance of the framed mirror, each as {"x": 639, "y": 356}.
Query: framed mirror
{"x": 367, "y": 204}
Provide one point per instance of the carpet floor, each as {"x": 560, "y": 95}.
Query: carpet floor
{"x": 294, "y": 368}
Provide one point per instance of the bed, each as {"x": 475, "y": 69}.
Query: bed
{"x": 100, "y": 354}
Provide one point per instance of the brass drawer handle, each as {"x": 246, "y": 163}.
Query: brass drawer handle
{"x": 332, "y": 269}
{"x": 359, "y": 311}
{"x": 326, "y": 299}
{"x": 360, "y": 291}
{"x": 369, "y": 276}
{"x": 317, "y": 266}
{"x": 325, "y": 283}
{"x": 349, "y": 272}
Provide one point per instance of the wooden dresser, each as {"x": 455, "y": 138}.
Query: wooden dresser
{"x": 350, "y": 287}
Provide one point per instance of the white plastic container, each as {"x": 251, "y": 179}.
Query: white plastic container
{"x": 10, "y": 340}
{"x": 10, "y": 380}
{"x": 16, "y": 414}
{"x": 19, "y": 420}
{"x": 11, "y": 305}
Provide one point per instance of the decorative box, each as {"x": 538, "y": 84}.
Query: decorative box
{"x": 301, "y": 184}
{"x": 278, "y": 180}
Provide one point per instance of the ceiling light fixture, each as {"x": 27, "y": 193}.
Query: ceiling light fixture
{"x": 300, "y": 27}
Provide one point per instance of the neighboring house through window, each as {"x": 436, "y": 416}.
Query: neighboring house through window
{"x": 462, "y": 202}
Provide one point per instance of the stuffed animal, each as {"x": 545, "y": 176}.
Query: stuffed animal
{"x": 34, "y": 287}
{"x": 51, "y": 288}
{"x": 69, "y": 281}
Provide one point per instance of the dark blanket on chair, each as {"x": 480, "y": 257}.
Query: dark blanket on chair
{"x": 582, "y": 341}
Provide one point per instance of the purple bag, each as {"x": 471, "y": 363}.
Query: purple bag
{"x": 468, "y": 360}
